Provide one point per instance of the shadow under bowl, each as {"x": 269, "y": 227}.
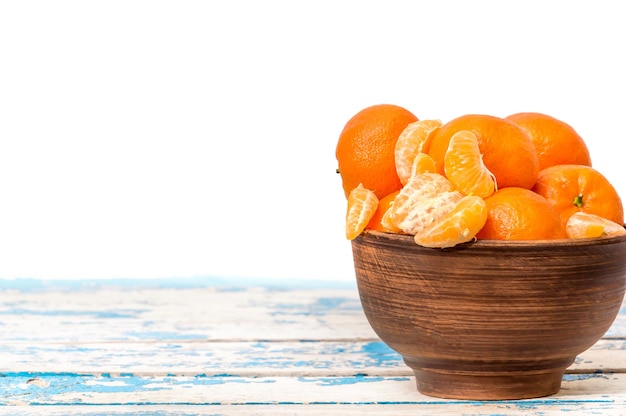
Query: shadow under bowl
{"x": 490, "y": 320}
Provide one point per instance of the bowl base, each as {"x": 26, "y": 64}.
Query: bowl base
{"x": 489, "y": 386}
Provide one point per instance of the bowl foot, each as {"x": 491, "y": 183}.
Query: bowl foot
{"x": 488, "y": 386}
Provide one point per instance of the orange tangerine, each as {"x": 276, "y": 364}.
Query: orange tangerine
{"x": 556, "y": 142}
{"x": 585, "y": 225}
{"x": 457, "y": 226}
{"x": 362, "y": 204}
{"x": 508, "y": 151}
{"x": 384, "y": 205}
{"x": 413, "y": 140}
{"x": 573, "y": 188}
{"x": 387, "y": 222}
{"x": 520, "y": 214}
{"x": 464, "y": 167}
{"x": 423, "y": 163}
{"x": 424, "y": 199}
{"x": 366, "y": 145}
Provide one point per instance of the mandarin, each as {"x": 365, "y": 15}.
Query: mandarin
{"x": 413, "y": 141}
{"x": 385, "y": 204}
{"x": 556, "y": 142}
{"x": 421, "y": 164}
{"x": 574, "y": 188}
{"x": 464, "y": 167}
{"x": 366, "y": 148}
{"x": 458, "y": 226}
{"x": 362, "y": 204}
{"x": 584, "y": 225}
{"x": 387, "y": 223}
{"x": 520, "y": 214}
{"x": 508, "y": 152}
{"x": 424, "y": 199}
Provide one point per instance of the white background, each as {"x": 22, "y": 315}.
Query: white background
{"x": 183, "y": 138}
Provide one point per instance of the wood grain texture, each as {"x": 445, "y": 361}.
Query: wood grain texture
{"x": 605, "y": 408}
{"x": 244, "y": 359}
{"x": 86, "y": 313}
{"x": 73, "y": 389}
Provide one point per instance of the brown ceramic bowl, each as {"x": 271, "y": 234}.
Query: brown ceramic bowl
{"x": 490, "y": 320}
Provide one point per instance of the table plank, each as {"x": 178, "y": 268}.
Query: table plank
{"x": 69, "y": 389}
{"x": 436, "y": 409}
{"x": 245, "y": 358}
{"x": 110, "y": 314}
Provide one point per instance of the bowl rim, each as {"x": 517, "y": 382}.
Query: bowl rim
{"x": 563, "y": 242}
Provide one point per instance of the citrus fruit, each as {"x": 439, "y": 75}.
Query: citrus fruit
{"x": 556, "y": 142}
{"x": 423, "y": 163}
{"x": 376, "y": 222}
{"x": 366, "y": 148}
{"x": 457, "y": 226}
{"x": 424, "y": 199}
{"x": 362, "y": 204}
{"x": 464, "y": 167}
{"x": 508, "y": 152}
{"x": 573, "y": 188}
{"x": 412, "y": 141}
{"x": 520, "y": 214}
{"x": 584, "y": 225}
{"x": 387, "y": 222}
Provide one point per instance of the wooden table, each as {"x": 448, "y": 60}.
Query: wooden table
{"x": 236, "y": 347}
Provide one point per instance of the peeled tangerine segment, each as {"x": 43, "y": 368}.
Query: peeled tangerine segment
{"x": 387, "y": 222}
{"x": 457, "y": 226}
{"x": 423, "y": 163}
{"x": 362, "y": 204}
{"x": 464, "y": 167}
{"x": 422, "y": 201}
{"x": 412, "y": 141}
{"x": 585, "y": 225}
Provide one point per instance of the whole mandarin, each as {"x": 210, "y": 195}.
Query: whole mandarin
{"x": 507, "y": 151}
{"x": 520, "y": 214}
{"x": 366, "y": 148}
{"x": 574, "y": 188}
{"x": 556, "y": 142}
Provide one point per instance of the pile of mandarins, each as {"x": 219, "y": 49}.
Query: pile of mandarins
{"x": 527, "y": 176}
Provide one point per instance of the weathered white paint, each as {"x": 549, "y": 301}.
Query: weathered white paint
{"x": 73, "y": 389}
{"x": 111, "y": 314}
{"x": 437, "y": 409}
{"x": 288, "y": 358}
{"x": 214, "y": 350}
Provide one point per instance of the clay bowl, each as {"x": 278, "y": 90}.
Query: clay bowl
{"x": 490, "y": 320}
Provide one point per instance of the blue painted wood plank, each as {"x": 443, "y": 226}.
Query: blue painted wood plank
{"x": 437, "y": 409}
{"x": 40, "y": 389}
{"x": 258, "y": 358}
{"x": 114, "y": 314}
{"x": 206, "y": 358}
{"x": 618, "y": 329}
{"x": 216, "y": 282}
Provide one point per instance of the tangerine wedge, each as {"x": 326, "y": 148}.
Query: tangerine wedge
{"x": 574, "y": 188}
{"x": 423, "y": 163}
{"x": 424, "y": 199}
{"x": 464, "y": 167}
{"x": 458, "y": 226}
{"x": 378, "y": 221}
{"x": 413, "y": 140}
{"x": 387, "y": 222}
{"x": 362, "y": 204}
{"x": 584, "y": 225}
